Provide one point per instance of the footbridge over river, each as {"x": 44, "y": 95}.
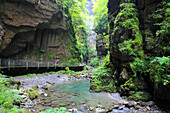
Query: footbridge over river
{"x": 22, "y": 67}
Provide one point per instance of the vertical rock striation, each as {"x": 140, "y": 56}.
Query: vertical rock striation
{"x": 31, "y": 26}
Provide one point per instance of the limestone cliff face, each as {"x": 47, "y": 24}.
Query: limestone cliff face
{"x": 101, "y": 46}
{"x": 145, "y": 9}
{"x": 120, "y": 61}
{"x": 29, "y": 27}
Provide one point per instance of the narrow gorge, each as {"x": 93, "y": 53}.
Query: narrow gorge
{"x": 84, "y": 56}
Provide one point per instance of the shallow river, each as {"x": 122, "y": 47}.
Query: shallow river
{"x": 76, "y": 93}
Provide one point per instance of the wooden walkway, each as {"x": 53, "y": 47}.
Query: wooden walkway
{"x": 22, "y": 70}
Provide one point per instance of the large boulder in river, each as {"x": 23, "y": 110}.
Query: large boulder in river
{"x": 33, "y": 94}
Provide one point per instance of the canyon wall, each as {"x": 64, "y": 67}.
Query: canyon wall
{"x": 35, "y": 30}
{"x": 152, "y": 45}
{"x": 101, "y": 46}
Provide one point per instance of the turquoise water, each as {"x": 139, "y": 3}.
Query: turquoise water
{"x": 74, "y": 94}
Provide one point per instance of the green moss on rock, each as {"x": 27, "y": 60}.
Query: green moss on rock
{"x": 45, "y": 87}
{"x": 33, "y": 94}
{"x": 92, "y": 86}
{"x": 17, "y": 102}
{"x": 35, "y": 87}
{"x": 50, "y": 83}
{"x": 141, "y": 95}
{"x": 15, "y": 82}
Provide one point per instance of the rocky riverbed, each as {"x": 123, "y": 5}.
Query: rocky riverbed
{"x": 61, "y": 90}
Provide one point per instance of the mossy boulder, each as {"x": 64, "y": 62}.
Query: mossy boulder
{"x": 92, "y": 86}
{"x": 106, "y": 85}
{"x": 130, "y": 85}
{"x": 33, "y": 94}
{"x": 21, "y": 91}
{"x": 140, "y": 84}
{"x": 45, "y": 87}
{"x": 109, "y": 88}
{"x": 50, "y": 83}
{"x": 124, "y": 74}
{"x": 17, "y": 102}
{"x": 35, "y": 87}
{"x": 15, "y": 82}
{"x": 140, "y": 95}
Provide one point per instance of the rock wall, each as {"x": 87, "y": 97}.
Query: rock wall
{"x": 117, "y": 58}
{"x": 101, "y": 46}
{"x": 29, "y": 27}
{"x": 148, "y": 30}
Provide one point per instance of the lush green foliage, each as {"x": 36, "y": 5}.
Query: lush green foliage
{"x": 140, "y": 95}
{"x": 101, "y": 22}
{"x": 163, "y": 14}
{"x": 156, "y": 67}
{"x": 100, "y": 13}
{"x": 67, "y": 70}
{"x": 7, "y": 97}
{"x": 68, "y": 62}
{"x": 78, "y": 19}
{"x": 52, "y": 57}
{"x": 142, "y": 65}
{"x": 158, "y": 70}
{"x": 102, "y": 80}
{"x": 86, "y": 67}
{"x": 127, "y": 19}
{"x": 102, "y": 26}
{"x": 72, "y": 73}
{"x": 94, "y": 62}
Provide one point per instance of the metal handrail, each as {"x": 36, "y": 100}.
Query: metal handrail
{"x": 10, "y": 63}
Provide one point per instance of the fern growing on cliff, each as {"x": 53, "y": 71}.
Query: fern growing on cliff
{"x": 127, "y": 19}
{"x": 163, "y": 13}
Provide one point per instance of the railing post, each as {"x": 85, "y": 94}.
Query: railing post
{"x": 13, "y": 64}
{"x": 27, "y": 64}
{"x": 0, "y": 64}
{"x": 38, "y": 65}
{"x": 47, "y": 65}
{"x": 9, "y": 64}
{"x": 55, "y": 65}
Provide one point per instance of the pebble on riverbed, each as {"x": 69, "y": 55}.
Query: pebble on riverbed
{"x": 100, "y": 110}
{"x": 50, "y": 83}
